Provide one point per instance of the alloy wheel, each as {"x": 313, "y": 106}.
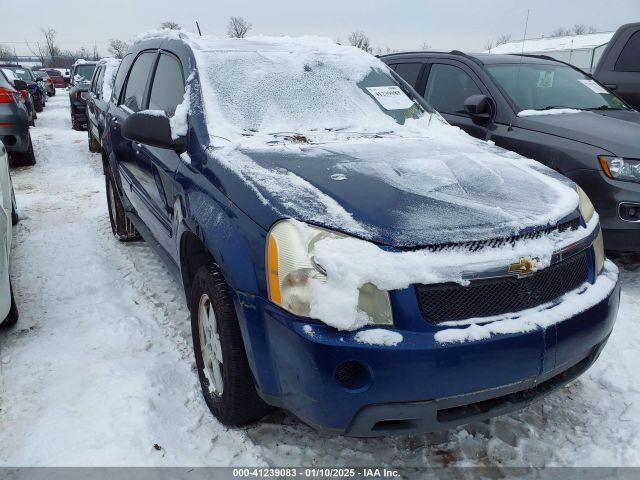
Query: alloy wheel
{"x": 210, "y": 345}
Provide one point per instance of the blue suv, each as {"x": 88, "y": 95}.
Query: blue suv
{"x": 345, "y": 253}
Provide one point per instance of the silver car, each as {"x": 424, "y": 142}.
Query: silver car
{"x": 8, "y": 218}
{"x": 14, "y": 123}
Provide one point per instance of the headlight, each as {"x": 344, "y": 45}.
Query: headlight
{"x": 585, "y": 207}
{"x": 620, "y": 168}
{"x": 291, "y": 268}
{"x": 84, "y": 95}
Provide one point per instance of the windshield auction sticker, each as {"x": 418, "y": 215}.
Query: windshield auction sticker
{"x": 545, "y": 79}
{"x": 593, "y": 86}
{"x": 391, "y": 98}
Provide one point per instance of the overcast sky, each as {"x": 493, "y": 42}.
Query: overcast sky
{"x": 454, "y": 24}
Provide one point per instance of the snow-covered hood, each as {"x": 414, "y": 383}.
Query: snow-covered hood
{"x": 399, "y": 192}
{"x": 616, "y": 131}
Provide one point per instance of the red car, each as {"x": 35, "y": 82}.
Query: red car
{"x": 56, "y": 77}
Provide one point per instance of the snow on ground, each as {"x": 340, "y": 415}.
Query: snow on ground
{"x": 99, "y": 367}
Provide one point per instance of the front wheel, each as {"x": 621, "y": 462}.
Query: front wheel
{"x": 122, "y": 228}
{"x": 12, "y": 316}
{"x": 224, "y": 373}
{"x": 14, "y": 211}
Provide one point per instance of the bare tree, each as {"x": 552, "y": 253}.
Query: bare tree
{"x": 581, "y": 29}
{"x": 169, "y": 25}
{"x": 488, "y": 46}
{"x": 118, "y": 48}
{"x": 502, "y": 39}
{"x": 238, "y": 27}
{"x": 95, "y": 53}
{"x": 426, "y": 46}
{"x": 52, "y": 48}
{"x": 385, "y": 50}
{"x": 5, "y": 53}
{"x": 359, "y": 39}
{"x": 40, "y": 51}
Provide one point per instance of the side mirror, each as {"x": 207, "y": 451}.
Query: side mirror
{"x": 152, "y": 128}
{"x": 20, "y": 84}
{"x": 480, "y": 107}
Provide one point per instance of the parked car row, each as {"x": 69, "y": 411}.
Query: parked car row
{"x": 16, "y": 116}
{"x": 347, "y": 254}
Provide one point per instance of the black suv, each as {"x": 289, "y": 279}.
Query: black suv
{"x": 546, "y": 110}
{"x": 619, "y": 66}
{"x": 81, "y": 74}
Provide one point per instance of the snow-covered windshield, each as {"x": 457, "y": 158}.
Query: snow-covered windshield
{"x": 305, "y": 92}
{"x": 83, "y": 73}
{"x": 547, "y": 87}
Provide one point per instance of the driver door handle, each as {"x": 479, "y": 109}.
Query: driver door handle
{"x": 611, "y": 86}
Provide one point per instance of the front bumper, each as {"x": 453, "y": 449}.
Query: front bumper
{"x": 607, "y": 195}
{"x": 418, "y": 385}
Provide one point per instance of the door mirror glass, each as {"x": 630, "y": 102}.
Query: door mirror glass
{"x": 152, "y": 128}
{"x": 480, "y": 107}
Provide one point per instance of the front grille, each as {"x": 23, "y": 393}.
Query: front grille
{"x": 486, "y": 298}
{"x": 477, "y": 245}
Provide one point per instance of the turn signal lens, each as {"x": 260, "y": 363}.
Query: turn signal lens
{"x": 585, "y": 206}
{"x": 598, "y": 252}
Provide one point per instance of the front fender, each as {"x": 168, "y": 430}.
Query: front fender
{"x": 235, "y": 242}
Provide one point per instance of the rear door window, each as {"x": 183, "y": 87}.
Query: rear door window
{"x": 167, "y": 91}
{"x": 448, "y": 87}
{"x": 629, "y": 59}
{"x": 137, "y": 81}
{"x": 96, "y": 80}
{"x": 121, "y": 75}
{"x": 410, "y": 72}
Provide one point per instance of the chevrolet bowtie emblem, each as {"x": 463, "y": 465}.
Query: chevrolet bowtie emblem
{"x": 524, "y": 267}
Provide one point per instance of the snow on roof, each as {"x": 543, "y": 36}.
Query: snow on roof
{"x": 551, "y": 44}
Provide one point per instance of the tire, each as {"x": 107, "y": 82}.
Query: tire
{"x": 14, "y": 212}
{"x": 94, "y": 145}
{"x": 23, "y": 159}
{"x": 75, "y": 124}
{"x": 236, "y": 402}
{"x": 122, "y": 228}
{"x": 12, "y": 316}
{"x": 38, "y": 105}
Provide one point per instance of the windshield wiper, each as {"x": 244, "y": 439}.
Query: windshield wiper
{"x": 553, "y": 107}
{"x": 604, "y": 107}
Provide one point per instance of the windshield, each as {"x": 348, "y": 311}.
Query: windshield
{"x": 83, "y": 73}
{"x": 22, "y": 74}
{"x": 272, "y": 92}
{"x": 55, "y": 73}
{"x": 544, "y": 87}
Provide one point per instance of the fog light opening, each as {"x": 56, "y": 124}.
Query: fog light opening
{"x": 353, "y": 375}
{"x": 629, "y": 212}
